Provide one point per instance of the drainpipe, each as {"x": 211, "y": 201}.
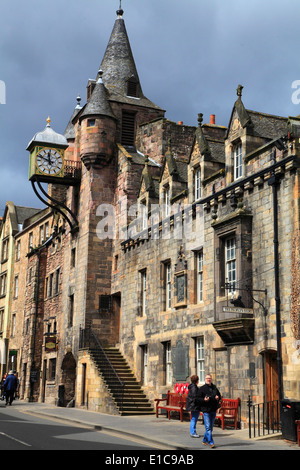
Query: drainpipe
{"x": 34, "y": 327}
{"x": 274, "y": 181}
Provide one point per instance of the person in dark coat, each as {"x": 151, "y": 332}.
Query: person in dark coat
{"x": 193, "y": 404}
{"x": 210, "y": 398}
{"x": 10, "y": 386}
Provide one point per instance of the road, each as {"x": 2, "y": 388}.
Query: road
{"x": 22, "y": 431}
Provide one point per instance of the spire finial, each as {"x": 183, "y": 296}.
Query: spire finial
{"x": 200, "y": 119}
{"x": 120, "y": 11}
{"x": 239, "y": 90}
{"x": 48, "y": 121}
{"x": 100, "y": 73}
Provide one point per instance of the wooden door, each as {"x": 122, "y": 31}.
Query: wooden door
{"x": 272, "y": 388}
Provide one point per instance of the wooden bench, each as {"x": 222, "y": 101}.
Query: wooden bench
{"x": 172, "y": 402}
{"x": 228, "y": 412}
{"x": 298, "y": 431}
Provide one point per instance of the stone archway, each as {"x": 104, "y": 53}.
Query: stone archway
{"x": 68, "y": 367}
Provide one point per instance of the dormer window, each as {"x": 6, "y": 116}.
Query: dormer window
{"x": 132, "y": 87}
{"x": 238, "y": 163}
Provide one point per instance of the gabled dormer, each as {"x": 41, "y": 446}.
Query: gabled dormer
{"x": 247, "y": 131}
{"x": 206, "y": 157}
{"x": 173, "y": 181}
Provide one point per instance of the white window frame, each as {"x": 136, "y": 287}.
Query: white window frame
{"x": 168, "y": 359}
{"x": 167, "y": 201}
{"x": 199, "y": 261}
{"x": 238, "y": 161}
{"x": 168, "y": 285}
{"x": 197, "y": 183}
{"x": 144, "y": 291}
{"x": 200, "y": 363}
{"x": 230, "y": 263}
{"x": 145, "y": 364}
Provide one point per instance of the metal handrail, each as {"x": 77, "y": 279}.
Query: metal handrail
{"x": 86, "y": 337}
{"x": 264, "y": 418}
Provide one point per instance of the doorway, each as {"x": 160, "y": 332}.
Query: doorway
{"x": 271, "y": 387}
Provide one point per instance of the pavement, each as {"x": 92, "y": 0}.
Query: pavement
{"x": 158, "y": 433}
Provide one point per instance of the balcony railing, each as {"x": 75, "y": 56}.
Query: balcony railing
{"x": 72, "y": 169}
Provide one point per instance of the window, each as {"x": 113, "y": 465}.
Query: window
{"x": 230, "y": 263}
{"x": 1, "y": 320}
{"x": 3, "y": 281}
{"x": 168, "y": 285}
{"x": 199, "y": 262}
{"x": 18, "y": 250}
{"x": 91, "y": 122}
{"x": 73, "y": 257}
{"x": 71, "y": 310}
{"x": 5, "y": 244}
{"x": 143, "y": 275}
{"x": 168, "y": 362}
{"x": 13, "y": 325}
{"x": 30, "y": 240}
{"x": 16, "y": 286}
{"x": 200, "y": 358}
{"x": 197, "y": 183}
{"x": 238, "y": 166}
{"x": 128, "y": 129}
{"x": 50, "y": 285}
{"x": 167, "y": 201}
{"x": 145, "y": 364}
{"x": 52, "y": 369}
{"x": 41, "y": 234}
{"x": 144, "y": 215}
{"x": 132, "y": 87}
{"x": 46, "y": 230}
{"x": 57, "y": 281}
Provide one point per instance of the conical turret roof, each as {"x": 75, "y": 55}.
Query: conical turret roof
{"x": 98, "y": 103}
{"x": 118, "y": 67}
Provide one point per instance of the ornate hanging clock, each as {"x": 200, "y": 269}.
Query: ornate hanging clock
{"x": 47, "y": 155}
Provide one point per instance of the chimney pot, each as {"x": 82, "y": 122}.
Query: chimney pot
{"x": 212, "y": 119}
{"x": 180, "y": 123}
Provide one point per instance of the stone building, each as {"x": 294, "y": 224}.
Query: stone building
{"x": 181, "y": 255}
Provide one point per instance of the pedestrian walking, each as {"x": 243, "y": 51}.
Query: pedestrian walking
{"x": 210, "y": 398}
{"x": 2, "y": 386}
{"x": 193, "y": 404}
{"x": 10, "y": 386}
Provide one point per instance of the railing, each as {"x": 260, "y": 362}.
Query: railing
{"x": 88, "y": 339}
{"x": 72, "y": 169}
{"x": 264, "y": 418}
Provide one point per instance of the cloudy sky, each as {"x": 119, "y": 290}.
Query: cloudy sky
{"x": 190, "y": 56}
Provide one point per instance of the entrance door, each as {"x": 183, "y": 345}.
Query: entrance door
{"x": 272, "y": 388}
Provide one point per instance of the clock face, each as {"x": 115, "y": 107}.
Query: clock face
{"x": 49, "y": 161}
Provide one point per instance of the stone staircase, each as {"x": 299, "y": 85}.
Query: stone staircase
{"x": 133, "y": 400}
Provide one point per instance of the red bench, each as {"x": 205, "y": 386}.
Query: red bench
{"x": 172, "y": 402}
{"x": 228, "y": 412}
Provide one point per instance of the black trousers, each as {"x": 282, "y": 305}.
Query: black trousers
{"x": 9, "y": 396}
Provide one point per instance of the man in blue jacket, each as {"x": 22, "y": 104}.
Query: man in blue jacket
{"x": 10, "y": 386}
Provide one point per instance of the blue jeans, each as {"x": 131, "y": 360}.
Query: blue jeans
{"x": 193, "y": 422}
{"x": 209, "y": 420}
